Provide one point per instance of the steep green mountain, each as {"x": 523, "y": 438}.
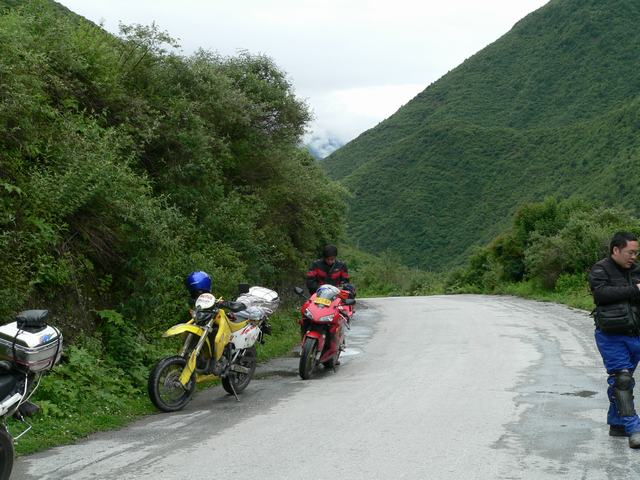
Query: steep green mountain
{"x": 552, "y": 107}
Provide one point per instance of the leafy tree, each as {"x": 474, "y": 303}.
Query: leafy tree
{"x": 124, "y": 165}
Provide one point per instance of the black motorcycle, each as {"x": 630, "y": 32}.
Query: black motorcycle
{"x": 29, "y": 348}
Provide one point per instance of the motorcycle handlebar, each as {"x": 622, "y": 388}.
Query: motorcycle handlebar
{"x": 233, "y": 306}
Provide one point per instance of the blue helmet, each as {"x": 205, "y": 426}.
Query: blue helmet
{"x": 198, "y": 283}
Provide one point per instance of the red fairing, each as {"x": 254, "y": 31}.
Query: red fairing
{"x": 329, "y": 334}
{"x": 318, "y": 336}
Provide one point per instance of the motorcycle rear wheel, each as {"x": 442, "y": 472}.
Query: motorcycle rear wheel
{"x": 308, "y": 358}
{"x": 6, "y": 454}
{"x": 238, "y": 381}
{"x": 165, "y": 390}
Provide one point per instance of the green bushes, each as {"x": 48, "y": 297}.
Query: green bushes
{"x": 385, "y": 275}
{"x": 550, "y": 247}
{"x": 125, "y": 166}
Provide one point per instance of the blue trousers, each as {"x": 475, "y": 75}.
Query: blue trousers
{"x": 619, "y": 352}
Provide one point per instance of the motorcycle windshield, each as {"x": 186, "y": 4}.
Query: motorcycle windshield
{"x": 328, "y": 293}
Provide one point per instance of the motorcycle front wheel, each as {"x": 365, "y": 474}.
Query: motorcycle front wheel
{"x": 165, "y": 390}
{"x": 308, "y": 358}
{"x": 333, "y": 362}
{"x": 238, "y": 381}
{"x": 6, "y": 454}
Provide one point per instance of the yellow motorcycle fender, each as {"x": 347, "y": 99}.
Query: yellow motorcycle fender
{"x": 188, "y": 328}
{"x": 184, "y": 328}
{"x": 190, "y": 367}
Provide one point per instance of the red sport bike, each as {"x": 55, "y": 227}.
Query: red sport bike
{"x": 325, "y": 317}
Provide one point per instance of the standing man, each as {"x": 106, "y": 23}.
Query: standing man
{"x": 328, "y": 269}
{"x": 615, "y": 284}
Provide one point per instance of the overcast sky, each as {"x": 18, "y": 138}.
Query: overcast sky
{"x": 354, "y": 62}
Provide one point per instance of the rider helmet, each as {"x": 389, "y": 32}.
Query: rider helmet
{"x": 198, "y": 283}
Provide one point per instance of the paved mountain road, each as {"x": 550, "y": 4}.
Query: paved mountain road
{"x": 442, "y": 387}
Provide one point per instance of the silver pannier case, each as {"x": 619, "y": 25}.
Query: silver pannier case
{"x": 35, "y": 347}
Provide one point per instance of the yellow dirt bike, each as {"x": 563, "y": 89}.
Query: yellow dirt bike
{"x": 215, "y": 344}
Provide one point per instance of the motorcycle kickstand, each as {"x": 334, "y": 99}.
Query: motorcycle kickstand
{"x": 342, "y": 348}
{"x": 234, "y": 391}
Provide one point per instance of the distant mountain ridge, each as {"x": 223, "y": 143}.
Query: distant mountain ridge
{"x": 549, "y": 108}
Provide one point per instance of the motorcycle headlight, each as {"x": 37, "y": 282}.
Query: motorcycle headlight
{"x": 203, "y": 317}
{"x": 308, "y": 314}
{"x": 326, "y": 318}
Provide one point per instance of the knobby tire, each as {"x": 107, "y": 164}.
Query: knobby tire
{"x": 165, "y": 390}
{"x": 241, "y": 380}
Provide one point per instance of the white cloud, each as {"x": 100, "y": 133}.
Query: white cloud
{"x": 355, "y": 62}
{"x": 344, "y": 114}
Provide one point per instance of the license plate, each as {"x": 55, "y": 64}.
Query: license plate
{"x": 322, "y": 301}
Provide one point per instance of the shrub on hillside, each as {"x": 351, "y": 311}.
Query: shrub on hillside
{"x": 547, "y": 240}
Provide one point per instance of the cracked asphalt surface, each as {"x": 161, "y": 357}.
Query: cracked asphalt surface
{"x": 441, "y": 387}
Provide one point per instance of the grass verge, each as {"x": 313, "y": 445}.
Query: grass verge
{"x": 576, "y": 298}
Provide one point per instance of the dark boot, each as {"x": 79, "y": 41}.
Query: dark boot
{"x": 634, "y": 440}
{"x": 617, "y": 431}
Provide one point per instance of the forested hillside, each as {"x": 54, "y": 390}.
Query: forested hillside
{"x": 125, "y": 165}
{"x": 549, "y": 108}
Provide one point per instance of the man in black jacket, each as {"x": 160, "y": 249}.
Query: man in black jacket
{"x": 328, "y": 269}
{"x": 615, "y": 284}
